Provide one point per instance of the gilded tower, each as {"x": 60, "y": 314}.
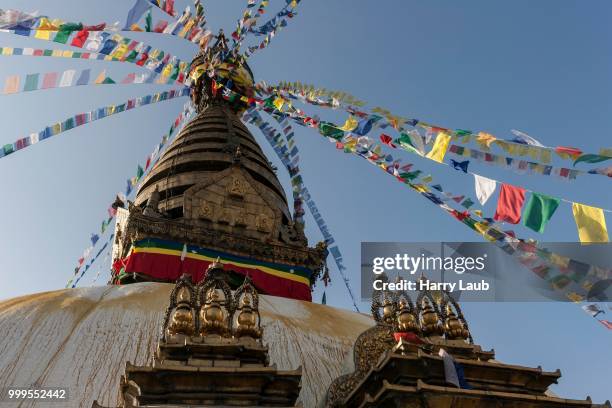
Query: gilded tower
{"x": 213, "y": 194}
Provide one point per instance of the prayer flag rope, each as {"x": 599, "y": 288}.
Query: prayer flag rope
{"x": 15, "y": 84}
{"x": 88, "y": 117}
{"x": 161, "y": 70}
{"x": 520, "y": 145}
{"x": 288, "y": 153}
{"x": 141, "y": 171}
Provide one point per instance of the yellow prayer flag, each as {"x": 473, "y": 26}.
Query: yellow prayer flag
{"x": 485, "y": 139}
{"x": 350, "y": 124}
{"x": 439, "y": 148}
{"x": 605, "y": 152}
{"x": 427, "y": 179}
{"x": 419, "y": 187}
{"x": 135, "y": 27}
{"x": 533, "y": 152}
{"x": 67, "y": 54}
{"x": 279, "y": 102}
{"x": 167, "y": 71}
{"x": 591, "y": 223}
{"x": 12, "y": 84}
{"x": 7, "y": 51}
{"x": 545, "y": 156}
{"x": 100, "y": 78}
{"x": 42, "y": 34}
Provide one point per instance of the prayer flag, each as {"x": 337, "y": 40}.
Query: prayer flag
{"x": 607, "y": 324}
{"x": 31, "y": 82}
{"x": 539, "y": 210}
{"x": 100, "y": 79}
{"x": 136, "y": 12}
{"x": 591, "y": 223}
{"x": 67, "y": 78}
{"x": 439, "y": 148}
{"x": 484, "y": 188}
{"x": 524, "y": 138}
{"x": 84, "y": 77}
{"x": 591, "y": 158}
{"x": 11, "y": 84}
{"x": 462, "y": 166}
{"x": 485, "y": 140}
{"x": 49, "y": 80}
{"x": 592, "y": 309}
{"x": 350, "y": 124}
{"x": 509, "y": 204}
{"x": 450, "y": 372}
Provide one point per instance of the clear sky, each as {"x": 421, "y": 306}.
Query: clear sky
{"x": 541, "y": 67}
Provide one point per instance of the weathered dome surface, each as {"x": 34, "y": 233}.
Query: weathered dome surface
{"x": 81, "y": 339}
{"x": 207, "y": 146}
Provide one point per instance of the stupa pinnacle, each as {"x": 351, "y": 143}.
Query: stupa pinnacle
{"x": 213, "y": 193}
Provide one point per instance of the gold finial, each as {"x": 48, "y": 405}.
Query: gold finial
{"x": 453, "y": 327}
{"x": 429, "y": 320}
{"x": 213, "y": 315}
{"x": 406, "y": 322}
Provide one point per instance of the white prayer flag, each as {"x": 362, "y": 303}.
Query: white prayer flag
{"x": 484, "y": 188}
{"x": 67, "y": 78}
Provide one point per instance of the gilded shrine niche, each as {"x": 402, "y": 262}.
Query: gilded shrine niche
{"x": 232, "y": 201}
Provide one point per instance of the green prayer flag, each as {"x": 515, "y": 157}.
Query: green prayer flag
{"x": 62, "y": 36}
{"x": 467, "y": 203}
{"x": 31, "y": 82}
{"x": 539, "y": 211}
{"x": 108, "y": 80}
{"x": 148, "y": 21}
{"x": 47, "y": 53}
{"x": 139, "y": 172}
{"x": 330, "y": 130}
{"x": 132, "y": 56}
{"x": 591, "y": 158}
{"x": 324, "y": 299}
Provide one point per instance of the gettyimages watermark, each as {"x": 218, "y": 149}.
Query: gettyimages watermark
{"x": 485, "y": 271}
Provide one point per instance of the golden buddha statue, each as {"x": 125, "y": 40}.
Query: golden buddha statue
{"x": 247, "y": 322}
{"x": 406, "y": 322}
{"x": 430, "y": 323}
{"x": 453, "y": 328}
{"x": 213, "y": 315}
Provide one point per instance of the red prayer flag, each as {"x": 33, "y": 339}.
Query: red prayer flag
{"x": 160, "y": 26}
{"x": 572, "y": 151}
{"x": 386, "y": 139}
{"x": 509, "y": 204}
{"x": 606, "y": 323}
{"x": 80, "y": 39}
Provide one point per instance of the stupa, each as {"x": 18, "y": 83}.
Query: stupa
{"x": 210, "y": 225}
{"x": 213, "y": 194}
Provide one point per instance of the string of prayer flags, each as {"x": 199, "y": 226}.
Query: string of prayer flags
{"x": 88, "y": 117}
{"x": 591, "y": 223}
{"x": 539, "y": 210}
{"x": 509, "y": 204}
{"x": 184, "y": 116}
{"x": 440, "y": 147}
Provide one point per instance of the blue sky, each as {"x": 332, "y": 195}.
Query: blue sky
{"x": 540, "y": 67}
